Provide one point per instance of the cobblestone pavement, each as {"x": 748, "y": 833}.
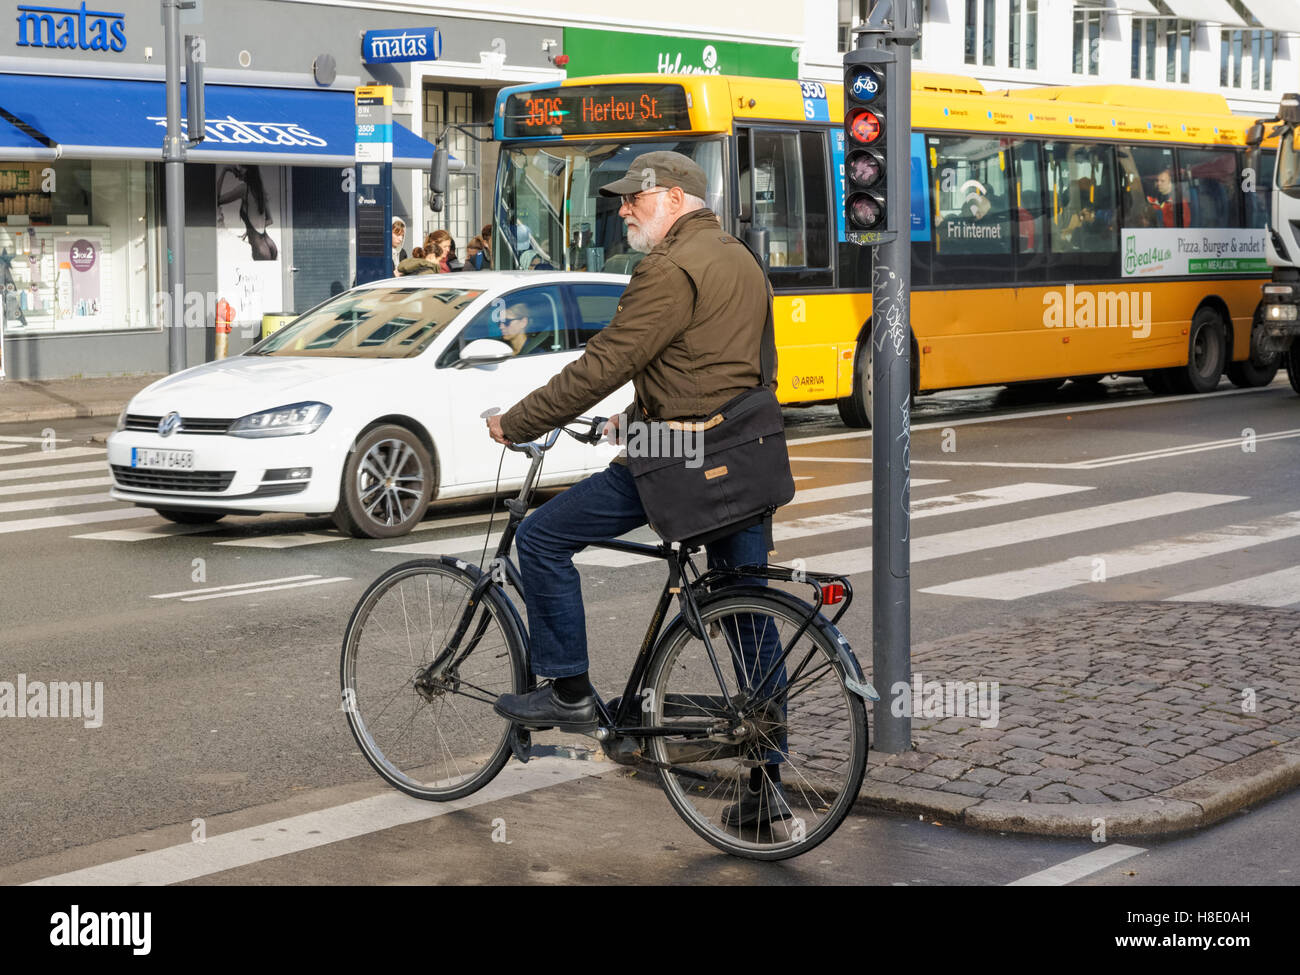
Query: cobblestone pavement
{"x": 1153, "y": 716}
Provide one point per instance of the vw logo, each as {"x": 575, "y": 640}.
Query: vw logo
{"x": 169, "y": 424}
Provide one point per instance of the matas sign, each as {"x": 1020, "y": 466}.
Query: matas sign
{"x": 71, "y": 27}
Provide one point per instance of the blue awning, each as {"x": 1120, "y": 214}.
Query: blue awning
{"x": 92, "y": 118}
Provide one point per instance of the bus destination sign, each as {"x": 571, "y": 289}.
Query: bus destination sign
{"x": 596, "y": 110}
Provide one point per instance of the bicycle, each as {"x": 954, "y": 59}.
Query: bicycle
{"x": 433, "y": 642}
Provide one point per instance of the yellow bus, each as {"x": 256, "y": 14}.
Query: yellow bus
{"x": 1057, "y": 233}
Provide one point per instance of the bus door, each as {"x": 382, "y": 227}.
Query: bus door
{"x": 783, "y": 184}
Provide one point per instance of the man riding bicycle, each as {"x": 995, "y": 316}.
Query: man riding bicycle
{"x": 686, "y": 352}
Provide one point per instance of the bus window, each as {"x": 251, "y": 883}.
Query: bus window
{"x": 1259, "y": 201}
{"x": 1030, "y": 222}
{"x": 971, "y": 212}
{"x": 812, "y": 147}
{"x": 778, "y": 203}
{"x": 1147, "y": 187}
{"x": 1208, "y": 182}
{"x": 1081, "y": 184}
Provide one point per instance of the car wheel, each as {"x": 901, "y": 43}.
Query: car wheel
{"x": 855, "y": 409}
{"x": 1293, "y": 365}
{"x": 190, "y": 516}
{"x": 387, "y": 483}
{"x": 1207, "y": 351}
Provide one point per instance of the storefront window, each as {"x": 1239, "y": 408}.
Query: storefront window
{"x": 76, "y": 251}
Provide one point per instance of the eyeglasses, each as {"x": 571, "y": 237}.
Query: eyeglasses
{"x": 629, "y": 199}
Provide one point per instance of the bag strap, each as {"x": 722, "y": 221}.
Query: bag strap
{"x": 767, "y": 345}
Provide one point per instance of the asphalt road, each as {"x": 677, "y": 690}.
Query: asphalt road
{"x": 225, "y": 710}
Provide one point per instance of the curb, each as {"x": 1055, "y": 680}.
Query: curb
{"x": 1199, "y": 802}
{"x": 60, "y": 413}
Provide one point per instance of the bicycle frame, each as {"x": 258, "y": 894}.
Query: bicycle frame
{"x": 683, "y": 581}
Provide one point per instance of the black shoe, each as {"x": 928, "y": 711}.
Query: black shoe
{"x": 542, "y": 708}
{"x": 766, "y": 806}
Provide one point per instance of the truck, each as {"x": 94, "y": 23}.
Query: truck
{"x": 1274, "y": 339}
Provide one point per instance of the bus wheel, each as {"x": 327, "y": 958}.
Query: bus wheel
{"x": 1207, "y": 351}
{"x": 1259, "y": 369}
{"x": 1293, "y": 365}
{"x": 855, "y": 409}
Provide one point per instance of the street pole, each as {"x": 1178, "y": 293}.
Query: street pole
{"x": 891, "y": 371}
{"x": 174, "y": 178}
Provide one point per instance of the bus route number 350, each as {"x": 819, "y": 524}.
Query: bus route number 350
{"x": 812, "y": 92}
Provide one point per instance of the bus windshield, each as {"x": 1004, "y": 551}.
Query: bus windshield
{"x": 1288, "y": 164}
{"x": 550, "y": 215}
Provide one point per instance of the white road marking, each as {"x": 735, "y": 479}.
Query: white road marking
{"x": 852, "y": 489}
{"x": 284, "y": 837}
{"x": 140, "y": 534}
{"x": 69, "y": 521}
{"x": 1079, "y": 867}
{"x": 248, "y": 592}
{"x": 30, "y": 472}
{"x": 1034, "y": 529}
{"x": 1034, "y": 414}
{"x": 238, "y": 585}
{"x": 44, "y": 486}
{"x": 25, "y": 440}
{"x": 63, "y": 453}
{"x": 847, "y": 521}
{"x": 1280, "y": 588}
{"x": 831, "y": 460}
{"x": 70, "y": 501}
{"x": 11, "y": 446}
{"x": 1140, "y": 558}
{"x": 285, "y": 541}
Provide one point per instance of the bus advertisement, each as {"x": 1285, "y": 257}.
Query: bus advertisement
{"x": 1057, "y": 234}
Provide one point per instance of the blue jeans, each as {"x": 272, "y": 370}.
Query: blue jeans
{"x": 604, "y": 506}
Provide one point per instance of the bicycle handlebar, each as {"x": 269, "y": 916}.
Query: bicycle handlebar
{"x": 592, "y": 436}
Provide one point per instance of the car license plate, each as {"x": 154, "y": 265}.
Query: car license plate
{"x": 170, "y": 460}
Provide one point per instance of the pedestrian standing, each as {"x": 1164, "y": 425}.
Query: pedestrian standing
{"x": 399, "y": 237}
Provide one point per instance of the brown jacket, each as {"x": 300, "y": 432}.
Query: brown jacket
{"x": 686, "y": 333}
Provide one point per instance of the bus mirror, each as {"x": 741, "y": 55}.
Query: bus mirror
{"x": 438, "y": 179}
{"x": 1255, "y": 134}
{"x": 1290, "y": 109}
{"x": 757, "y": 239}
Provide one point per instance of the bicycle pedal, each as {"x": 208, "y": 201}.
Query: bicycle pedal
{"x": 521, "y": 744}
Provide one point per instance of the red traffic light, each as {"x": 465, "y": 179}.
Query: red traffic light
{"x": 866, "y": 126}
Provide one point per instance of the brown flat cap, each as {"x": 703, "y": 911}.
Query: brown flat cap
{"x": 655, "y": 169}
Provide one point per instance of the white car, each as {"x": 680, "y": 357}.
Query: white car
{"x": 368, "y": 406}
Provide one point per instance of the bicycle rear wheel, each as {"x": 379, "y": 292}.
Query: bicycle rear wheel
{"x": 810, "y": 726}
{"x": 443, "y": 741}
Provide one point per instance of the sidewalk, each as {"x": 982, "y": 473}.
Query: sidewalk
{"x": 23, "y": 400}
{"x": 1136, "y": 714}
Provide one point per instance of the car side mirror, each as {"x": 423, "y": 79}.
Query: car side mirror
{"x": 484, "y": 352}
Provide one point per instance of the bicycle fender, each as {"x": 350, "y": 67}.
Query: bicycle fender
{"x": 512, "y": 612}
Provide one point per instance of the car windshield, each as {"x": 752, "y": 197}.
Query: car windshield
{"x": 391, "y": 322}
{"x": 550, "y": 216}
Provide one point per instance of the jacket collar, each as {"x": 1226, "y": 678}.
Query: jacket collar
{"x": 687, "y": 221}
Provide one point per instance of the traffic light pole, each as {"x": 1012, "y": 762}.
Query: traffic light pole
{"x": 174, "y": 181}
{"x": 887, "y": 46}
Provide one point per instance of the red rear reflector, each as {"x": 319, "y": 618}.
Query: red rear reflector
{"x": 832, "y": 593}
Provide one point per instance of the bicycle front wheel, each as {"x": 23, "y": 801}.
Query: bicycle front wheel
{"x": 441, "y": 740}
{"x": 802, "y": 727}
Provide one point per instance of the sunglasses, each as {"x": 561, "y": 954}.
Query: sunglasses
{"x": 629, "y": 199}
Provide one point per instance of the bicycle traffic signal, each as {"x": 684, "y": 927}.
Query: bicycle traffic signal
{"x": 867, "y": 80}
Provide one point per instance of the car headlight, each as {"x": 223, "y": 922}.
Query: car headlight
{"x": 283, "y": 421}
{"x": 121, "y": 419}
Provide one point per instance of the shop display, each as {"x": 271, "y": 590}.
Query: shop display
{"x": 53, "y": 278}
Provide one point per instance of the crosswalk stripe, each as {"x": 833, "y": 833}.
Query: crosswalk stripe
{"x": 45, "y": 486}
{"x": 11, "y": 446}
{"x": 30, "y": 472}
{"x": 140, "y": 534}
{"x": 1121, "y": 562}
{"x": 249, "y": 592}
{"x": 848, "y": 521}
{"x": 71, "y": 521}
{"x": 35, "y": 504}
{"x": 52, "y": 455}
{"x": 1280, "y": 588}
{"x": 284, "y": 541}
{"x": 1038, "y": 528}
